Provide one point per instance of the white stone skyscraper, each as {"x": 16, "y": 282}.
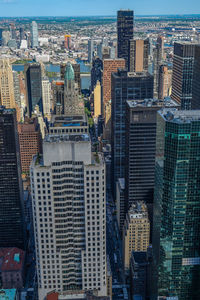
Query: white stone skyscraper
{"x": 69, "y": 210}
{"x": 46, "y": 96}
{"x": 34, "y": 35}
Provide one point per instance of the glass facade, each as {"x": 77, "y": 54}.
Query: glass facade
{"x": 11, "y": 197}
{"x": 176, "y": 232}
{"x": 125, "y": 86}
{"x": 125, "y": 22}
{"x": 34, "y": 35}
{"x": 183, "y": 74}
{"x": 33, "y": 87}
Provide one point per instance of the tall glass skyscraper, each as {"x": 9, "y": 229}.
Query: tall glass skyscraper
{"x": 125, "y": 86}
{"x": 34, "y": 35}
{"x": 125, "y": 20}
{"x": 96, "y": 72}
{"x": 11, "y": 195}
{"x": 33, "y": 87}
{"x": 196, "y": 79}
{"x": 176, "y": 231}
{"x": 183, "y": 75}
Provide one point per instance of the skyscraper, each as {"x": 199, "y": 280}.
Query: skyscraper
{"x": 125, "y": 23}
{"x": 157, "y": 61}
{"x": 34, "y": 35}
{"x": 73, "y": 102}
{"x": 77, "y": 75}
{"x": 183, "y": 74}
{"x": 13, "y": 31}
{"x": 96, "y": 72}
{"x": 196, "y": 79}
{"x": 125, "y": 86}
{"x": 176, "y": 230}
{"x": 97, "y": 100}
{"x": 16, "y": 86}
{"x": 58, "y": 97}
{"x": 136, "y": 232}
{"x": 140, "y": 151}
{"x": 164, "y": 81}
{"x": 110, "y": 66}
{"x": 6, "y": 84}
{"x": 90, "y": 50}
{"x": 68, "y": 41}
{"x": 21, "y": 34}
{"x": 46, "y": 96}
{"x": 69, "y": 208}
{"x": 138, "y": 55}
{"x": 30, "y": 142}
{"x": 11, "y": 194}
{"x": 33, "y": 87}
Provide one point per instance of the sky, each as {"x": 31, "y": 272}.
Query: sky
{"x": 12, "y": 8}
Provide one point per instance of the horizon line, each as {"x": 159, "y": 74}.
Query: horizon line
{"x": 115, "y": 16}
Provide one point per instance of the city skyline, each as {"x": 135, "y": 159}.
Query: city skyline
{"x": 14, "y": 8}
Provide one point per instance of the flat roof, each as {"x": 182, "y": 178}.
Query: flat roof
{"x": 8, "y": 294}
{"x": 180, "y": 116}
{"x": 13, "y": 259}
{"x": 121, "y": 73}
{"x": 67, "y": 138}
{"x": 150, "y": 102}
{"x": 68, "y": 121}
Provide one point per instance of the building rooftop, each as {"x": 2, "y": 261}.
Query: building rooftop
{"x": 68, "y": 121}
{"x": 180, "y": 116}
{"x": 12, "y": 259}
{"x": 67, "y": 138}
{"x": 167, "y": 102}
{"x": 76, "y": 295}
{"x": 9, "y": 294}
{"x": 4, "y": 110}
{"x": 138, "y": 210}
{"x": 124, "y": 74}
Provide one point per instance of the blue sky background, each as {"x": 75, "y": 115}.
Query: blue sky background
{"x": 95, "y": 7}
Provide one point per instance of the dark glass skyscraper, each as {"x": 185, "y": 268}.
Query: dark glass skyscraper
{"x": 125, "y": 86}
{"x": 21, "y": 34}
{"x": 183, "y": 74}
{"x": 33, "y": 87}
{"x": 196, "y": 80}
{"x": 125, "y": 23}
{"x": 140, "y": 150}
{"x": 11, "y": 196}
{"x": 176, "y": 230}
{"x": 157, "y": 61}
{"x": 96, "y": 72}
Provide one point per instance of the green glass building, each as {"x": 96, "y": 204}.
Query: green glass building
{"x": 176, "y": 229}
